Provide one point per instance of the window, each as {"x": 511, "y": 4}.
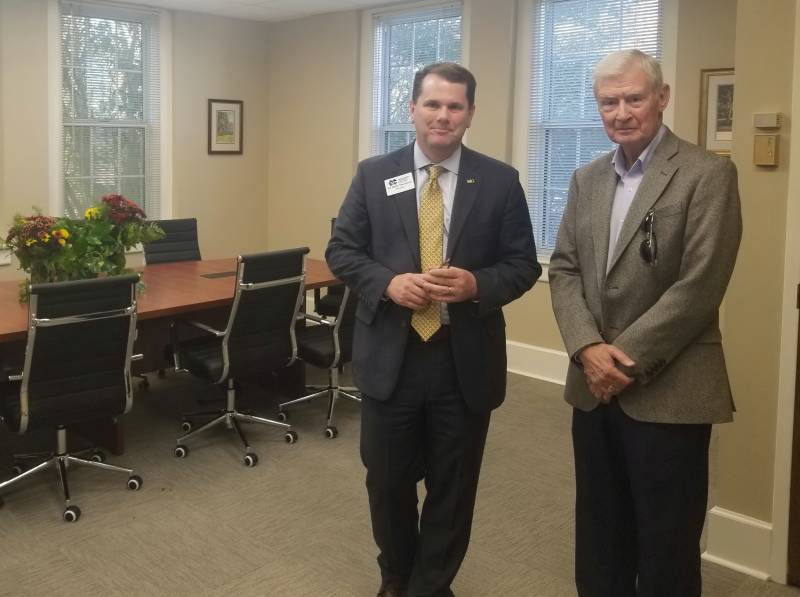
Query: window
{"x": 110, "y": 99}
{"x": 403, "y": 43}
{"x": 565, "y": 130}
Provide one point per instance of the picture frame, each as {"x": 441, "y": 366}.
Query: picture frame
{"x": 715, "y": 130}
{"x": 225, "y": 126}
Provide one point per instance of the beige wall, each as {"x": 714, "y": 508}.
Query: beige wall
{"x": 222, "y": 59}
{"x": 764, "y": 51}
{"x": 492, "y": 44}
{"x": 313, "y": 125}
{"x": 698, "y": 49}
{"x": 23, "y": 110}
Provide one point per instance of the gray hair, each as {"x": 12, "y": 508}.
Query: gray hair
{"x": 622, "y": 61}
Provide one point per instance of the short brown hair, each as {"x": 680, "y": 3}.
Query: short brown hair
{"x": 449, "y": 71}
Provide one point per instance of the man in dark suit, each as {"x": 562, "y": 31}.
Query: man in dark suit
{"x": 435, "y": 239}
{"x": 646, "y": 247}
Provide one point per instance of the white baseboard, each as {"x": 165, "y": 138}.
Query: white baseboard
{"x": 538, "y": 362}
{"x": 739, "y": 542}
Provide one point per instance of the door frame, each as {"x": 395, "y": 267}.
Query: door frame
{"x": 787, "y": 373}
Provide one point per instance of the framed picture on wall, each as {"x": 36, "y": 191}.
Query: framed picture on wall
{"x": 225, "y": 130}
{"x": 716, "y": 110}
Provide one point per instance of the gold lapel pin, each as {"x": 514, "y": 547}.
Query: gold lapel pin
{"x": 471, "y": 181}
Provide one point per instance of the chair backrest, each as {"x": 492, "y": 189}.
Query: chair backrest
{"x": 78, "y": 353}
{"x": 178, "y": 244}
{"x": 269, "y": 292}
{"x": 335, "y": 290}
{"x": 344, "y": 327}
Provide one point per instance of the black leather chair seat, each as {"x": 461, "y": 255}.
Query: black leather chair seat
{"x": 315, "y": 346}
{"x": 328, "y": 304}
{"x": 202, "y": 356}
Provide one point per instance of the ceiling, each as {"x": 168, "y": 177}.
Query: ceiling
{"x": 264, "y": 10}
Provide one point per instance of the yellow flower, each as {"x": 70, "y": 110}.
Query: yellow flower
{"x": 30, "y": 241}
{"x": 62, "y": 242}
{"x": 92, "y": 213}
{"x": 62, "y": 233}
{"x": 45, "y": 237}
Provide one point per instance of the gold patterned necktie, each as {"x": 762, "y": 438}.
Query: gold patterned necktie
{"x": 431, "y": 241}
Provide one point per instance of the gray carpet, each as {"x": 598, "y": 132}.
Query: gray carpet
{"x": 297, "y": 524}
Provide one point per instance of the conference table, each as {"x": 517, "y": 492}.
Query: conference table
{"x": 200, "y": 290}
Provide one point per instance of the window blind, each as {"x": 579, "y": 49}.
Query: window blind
{"x": 404, "y": 42}
{"x": 565, "y": 130}
{"x": 110, "y": 96}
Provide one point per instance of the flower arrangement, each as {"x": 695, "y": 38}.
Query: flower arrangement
{"x": 57, "y": 249}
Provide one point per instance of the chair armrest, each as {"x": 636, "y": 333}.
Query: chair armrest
{"x": 15, "y": 377}
{"x": 137, "y": 357}
{"x": 318, "y": 319}
{"x": 201, "y": 326}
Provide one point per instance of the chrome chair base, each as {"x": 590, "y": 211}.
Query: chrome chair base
{"x": 231, "y": 418}
{"x": 61, "y": 461}
{"x": 333, "y": 390}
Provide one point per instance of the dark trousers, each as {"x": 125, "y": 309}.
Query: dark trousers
{"x": 424, "y": 431}
{"x": 642, "y": 490}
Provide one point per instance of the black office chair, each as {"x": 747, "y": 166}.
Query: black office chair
{"x": 259, "y": 337}
{"x": 77, "y": 369}
{"x": 328, "y": 345}
{"x": 178, "y": 244}
{"x": 327, "y": 305}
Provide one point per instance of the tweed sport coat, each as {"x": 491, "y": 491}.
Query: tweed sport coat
{"x": 376, "y": 236}
{"x": 665, "y": 317}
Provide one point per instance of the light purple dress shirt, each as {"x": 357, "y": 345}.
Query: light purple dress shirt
{"x": 628, "y": 182}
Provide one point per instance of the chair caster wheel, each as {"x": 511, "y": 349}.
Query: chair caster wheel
{"x": 98, "y": 456}
{"x": 72, "y": 514}
{"x": 331, "y": 432}
{"x": 290, "y": 437}
{"x": 282, "y": 416}
{"x": 181, "y": 451}
{"x": 135, "y": 482}
{"x": 251, "y": 459}
{"x": 16, "y": 470}
{"x": 186, "y": 425}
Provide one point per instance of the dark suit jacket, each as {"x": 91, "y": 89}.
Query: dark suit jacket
{"x": 664, "y": 317}
{"x": 377, "y": 236}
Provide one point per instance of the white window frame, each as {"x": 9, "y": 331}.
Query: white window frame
{"x": 519, "y": 154}
{"x": 367, "y": 49}
{"x": 55, "y": 120}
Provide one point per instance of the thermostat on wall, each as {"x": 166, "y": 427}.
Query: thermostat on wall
{"x": 767, "y": 120}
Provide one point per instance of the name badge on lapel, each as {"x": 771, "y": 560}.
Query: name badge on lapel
{"x": 398, "y": 184}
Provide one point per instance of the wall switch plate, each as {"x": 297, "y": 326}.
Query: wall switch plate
{"x": 765, "y": 150}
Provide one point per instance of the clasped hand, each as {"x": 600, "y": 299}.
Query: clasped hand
{"x": 603, "y": 377}
{"x": 442, "y": 284}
